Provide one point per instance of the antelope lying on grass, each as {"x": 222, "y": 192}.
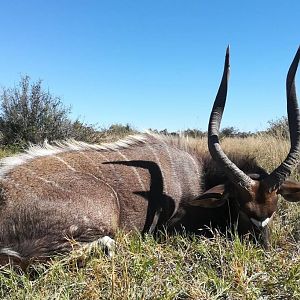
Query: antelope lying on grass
{"x": 86, "y": 192}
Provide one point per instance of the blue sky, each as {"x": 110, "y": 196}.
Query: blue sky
{"x": 153, "y": 64}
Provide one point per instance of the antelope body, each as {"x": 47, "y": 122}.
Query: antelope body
{"x": 76, "y": 190}
{"x": 85, "y": 192}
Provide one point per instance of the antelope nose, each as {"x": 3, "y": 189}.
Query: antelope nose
{"x": 260, "y": 224}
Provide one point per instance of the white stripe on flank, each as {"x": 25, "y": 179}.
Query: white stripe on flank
{"x": 195, "y": 188}
{"x": 103, "y": 156}
{"x": 74, "y": 170}
{"x": 176, "y": 185}
{"x": 91, "y": 160}
{"x": 101, "y": 172}
{"x": 108, "y": 185}
{"x": 70, "y": 191}
{"x": 50, "y": 182}
{"x": 165, "y": 186}
{"x": 65, "y": 163}
{"x": 135, "y": 171}
{"x": 195, "y": 164}
{"x": 174, "y": 175}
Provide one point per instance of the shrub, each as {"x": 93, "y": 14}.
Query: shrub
{"x": 116, "y": 131}
{"x": 234, "y": 132}
{"x": 279, "y": 128}
{"x": 85, "y": 132}
{"x": 30, "y": 114}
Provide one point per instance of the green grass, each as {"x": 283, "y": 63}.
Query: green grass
{"x": 178, "y": 266}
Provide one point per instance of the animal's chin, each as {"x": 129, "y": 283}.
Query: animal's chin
{"x": 261, "y": 234}
{"x": 264, "y": 237}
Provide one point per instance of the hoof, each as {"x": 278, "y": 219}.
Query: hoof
{"x": 105, "y": 243}
{"x": 108, "y": 245}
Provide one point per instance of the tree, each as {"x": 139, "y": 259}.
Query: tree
{"x": 30, "y": 114}
{"x": 229, "y": 132}
{"x": 279, "y": 128}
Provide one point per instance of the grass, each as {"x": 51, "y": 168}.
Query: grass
{"x": 178, "y": 266}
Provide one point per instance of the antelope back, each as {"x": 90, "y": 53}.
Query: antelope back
{"x": 86, "y": 191}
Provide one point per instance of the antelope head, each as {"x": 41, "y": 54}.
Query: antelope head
{"x": 256, "y": 195}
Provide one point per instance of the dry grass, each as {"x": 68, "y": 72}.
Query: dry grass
{"x": 268, "y": 150}
{"x": 180, "y": 267}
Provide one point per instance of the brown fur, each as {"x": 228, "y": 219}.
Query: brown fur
{"x": 88, "y": 193}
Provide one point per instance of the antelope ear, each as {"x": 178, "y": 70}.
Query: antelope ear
{"x": 212, "y": 198}
{"x": 290, "y": 191}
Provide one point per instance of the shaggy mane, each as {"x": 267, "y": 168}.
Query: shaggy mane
{"x": 46, "y": 149}
{"x": 57, "y": 147}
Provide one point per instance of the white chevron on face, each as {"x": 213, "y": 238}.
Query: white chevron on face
{"x": 260, "y": 223}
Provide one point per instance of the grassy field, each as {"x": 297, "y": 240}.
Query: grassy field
{"x": 179, "y": 266}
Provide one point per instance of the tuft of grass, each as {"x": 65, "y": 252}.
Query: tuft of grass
{"x": 178, "y": 266}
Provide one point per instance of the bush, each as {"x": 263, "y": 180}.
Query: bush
{"x": 195, "y": 133}
{"x": 279, "y": 128}
{"x": 85, "y": 132}
{"x": 30, "y": 114}
{"x": 116, "y": 131}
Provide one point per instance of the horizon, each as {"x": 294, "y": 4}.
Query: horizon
{"x": 154, "y": 65}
